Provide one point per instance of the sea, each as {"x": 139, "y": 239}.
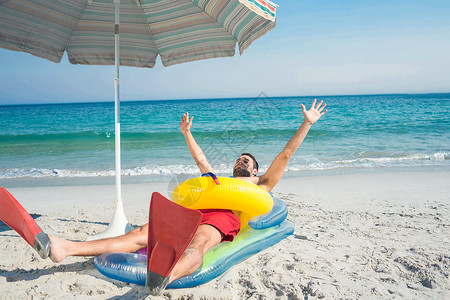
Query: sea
{"x": 74, "y": 142}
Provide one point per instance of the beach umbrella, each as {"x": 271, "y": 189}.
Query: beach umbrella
{"x": 88, "y": 31}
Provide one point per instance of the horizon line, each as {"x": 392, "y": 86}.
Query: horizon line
{"x": 219, "y": 98}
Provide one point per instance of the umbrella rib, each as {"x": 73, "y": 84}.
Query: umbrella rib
{"x": 202, "y": 12}
{"x": 75, "y": 26}
{"x": 214, "y": 21}
{"x": 149, "y": 29}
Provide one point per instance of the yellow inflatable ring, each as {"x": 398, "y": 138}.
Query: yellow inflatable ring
{"x": 239, "y": 195}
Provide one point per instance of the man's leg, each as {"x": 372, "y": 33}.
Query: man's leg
{"x": 129, "y": 242}
{"x": 205, "y": 238}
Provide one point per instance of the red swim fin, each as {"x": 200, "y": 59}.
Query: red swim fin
{"x": 16, "y": 217}
{"x": 171, "y": 228}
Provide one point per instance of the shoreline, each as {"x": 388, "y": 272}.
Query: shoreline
{"x": 357, "y": 236}
{"x": 22, "y": 182}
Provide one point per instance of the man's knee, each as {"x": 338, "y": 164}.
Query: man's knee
{"x": 205, "y": 238}
{"x": 138, "y": 235}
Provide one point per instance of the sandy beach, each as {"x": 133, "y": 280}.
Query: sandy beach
{"x": 360, "y": 235}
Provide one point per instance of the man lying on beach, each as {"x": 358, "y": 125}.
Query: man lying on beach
{"x": 216, "y": 225}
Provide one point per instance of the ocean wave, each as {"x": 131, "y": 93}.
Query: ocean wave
{"x": 406, "y": 160}
{"x": 418, "y": 159}
{"x": 138, "y": 171}
{"x": 82, "y": 135}
{"x": 152, "y": 135}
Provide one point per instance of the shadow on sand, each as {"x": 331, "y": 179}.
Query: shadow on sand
{"x": 27, "y": 275}
{"x": 4, "y": 227}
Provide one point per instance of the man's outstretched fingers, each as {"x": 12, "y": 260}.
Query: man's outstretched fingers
{"x": 322, "y": 107}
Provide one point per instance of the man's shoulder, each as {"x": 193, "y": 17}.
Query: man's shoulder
{"x": 254, "y": 180}
{"x": 257, "y": 181}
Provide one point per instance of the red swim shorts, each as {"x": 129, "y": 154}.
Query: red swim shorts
{"x": 223, "y": 220}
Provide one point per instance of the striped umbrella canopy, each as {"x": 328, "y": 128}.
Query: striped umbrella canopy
{"x": 177, "y": 30}
{"x": 88, "y": 31}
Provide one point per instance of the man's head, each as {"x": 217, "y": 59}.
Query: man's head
{"x": 245, "y": 166}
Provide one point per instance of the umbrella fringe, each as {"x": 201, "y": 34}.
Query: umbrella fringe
{"x": 263, "y": 8}
{"x": 251, "y": 36}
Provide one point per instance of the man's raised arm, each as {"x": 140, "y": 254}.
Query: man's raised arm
{"x": 276, "y": 169}
{"x": 194, "y": 148}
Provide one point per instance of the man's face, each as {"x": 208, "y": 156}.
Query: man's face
{"x": 244, "y": 167}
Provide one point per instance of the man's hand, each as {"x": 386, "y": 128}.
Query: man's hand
{"x": 185, "y": 124}
{"x": 194, "y": 149}
{"x": 273, "y": 174}
{"x": 314, "y": 113}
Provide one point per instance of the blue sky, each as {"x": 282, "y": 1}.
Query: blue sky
{"x": 317, "y": 48}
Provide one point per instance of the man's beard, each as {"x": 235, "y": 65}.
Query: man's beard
{"x": 241, "y": 172}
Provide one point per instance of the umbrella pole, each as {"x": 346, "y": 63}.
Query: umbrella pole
{"x": 119, "y": 224}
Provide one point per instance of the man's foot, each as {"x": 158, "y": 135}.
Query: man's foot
{"x": 57, "y": 252}
{"x": 155, "y": 283}
{"x": 42, "y": 244}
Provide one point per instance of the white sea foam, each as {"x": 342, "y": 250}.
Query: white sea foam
{"x": 313, "y": 163}
{"x": 138, "y": 171}
{"x": 418, "y": 159}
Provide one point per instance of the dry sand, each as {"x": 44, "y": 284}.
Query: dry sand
{"x": 357, "y": 236}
